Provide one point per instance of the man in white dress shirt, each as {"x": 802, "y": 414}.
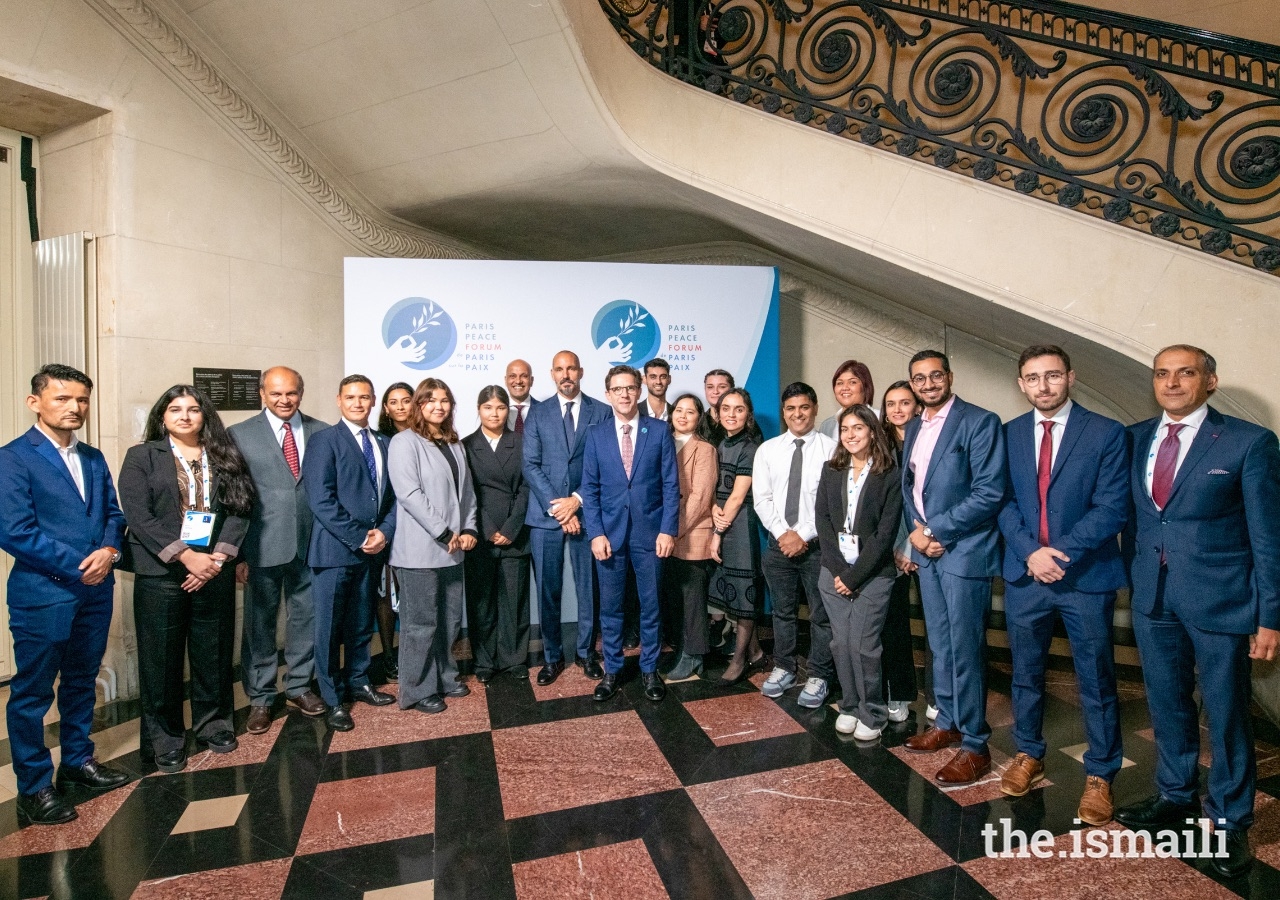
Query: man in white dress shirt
{"x": 519, "y": 380}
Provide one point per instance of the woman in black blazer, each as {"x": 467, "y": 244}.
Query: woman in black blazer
{"x": 859, "y": 506}
{"x": 497, "y": 570}
{"x": 186, "y": 493}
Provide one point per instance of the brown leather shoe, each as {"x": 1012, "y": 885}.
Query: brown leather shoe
{"x": 309, "y": 704}
{"x": 1095, "y": 805}
{"x": 964, "y": 768}
{"x": 1024, "y": 773}
{"x": 933, "y": 740}
{"x": 259, "y": 719}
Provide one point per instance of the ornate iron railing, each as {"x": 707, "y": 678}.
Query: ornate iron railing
{"x": 1166, "y": 129}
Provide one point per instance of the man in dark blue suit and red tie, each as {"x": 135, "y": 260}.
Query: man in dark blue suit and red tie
{"x": 60, "y": 521}
{"x": 1061, "y": 521}
{"x": 1205, "y": 568}
{"x": 631, "y": 507}
{"x": 348, "y": 490}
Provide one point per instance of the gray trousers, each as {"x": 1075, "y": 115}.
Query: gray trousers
{"x": 855, "y": 645}
{"x": 430, "y": 622}
{"x": 258, "y": 655}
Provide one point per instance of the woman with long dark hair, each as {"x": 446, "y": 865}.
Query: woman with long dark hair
{"x": 497, "y": 570}
{"x": 857, "y": 512}
{"x": 435, "y": 526}
{"x": 393, "y": 418}
{"x": 186, "y": 493}
{"x": 737, "y": 586}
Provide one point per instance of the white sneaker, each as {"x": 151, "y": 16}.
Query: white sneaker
{"x": 863, "y": 733}
{"x": 899, "y": 710}
{"x": 815, "y": 691}
{"x": 778, "y": 682}
{"x": 931, "y": 713}
{"x": 846, "y": 724}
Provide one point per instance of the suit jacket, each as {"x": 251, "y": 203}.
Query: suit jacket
{"x": 343, "y": 501}
{"x": 699, "y": 468}
{"x": 1088, "y": 501}
{"x": 645, "y": 411}
{"x": 875, "y": 522}
{"x": 280, "y": 526}
{"x": 502, "y": 494}
{"x": 963, "y": 491}
{"x": 1218, "y": 531}
{"x": 153, "y": 505}
{"x": 511, "y": 413}
{"x": 431, "y": 506}
{"x": 47, "y": 527}
{"x": 643, "y": 506}
{"x": 552, "y": 468}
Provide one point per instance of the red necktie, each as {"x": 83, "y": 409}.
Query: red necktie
{"x": 291, "y": 450}
{"x": 1166, "y": 466}
{"x": 1043, "y": 471}
{"x": 627, "y": 451}
{"x": 520, "y": 419}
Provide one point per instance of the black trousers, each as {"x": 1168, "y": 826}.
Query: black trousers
{"x": 498, "y": 610}
{"x": 174, "y": 627}
{"x": 897, "y": 660}
{"x": 684, "y": 603}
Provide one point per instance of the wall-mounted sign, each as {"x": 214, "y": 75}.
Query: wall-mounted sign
{"x": 229, "y": 389}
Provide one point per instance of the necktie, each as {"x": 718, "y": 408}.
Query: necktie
{"x": 568, "y": 423}
{"x": 1166, "y": 466}
{"x": 627, "y": 450}
{"x": 290, "y": 447}
{"x": 367, "y": 446}
{"x": 1043, "y": 471}
{"x": 520, "y": 419}
{"x": 792, "y": 511}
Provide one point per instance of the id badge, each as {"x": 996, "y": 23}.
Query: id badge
{"x": 197, "y": 528}
{"x": 849, "y": 547}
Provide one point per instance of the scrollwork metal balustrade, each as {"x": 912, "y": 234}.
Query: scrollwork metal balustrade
{"x": 1158, "y": 127}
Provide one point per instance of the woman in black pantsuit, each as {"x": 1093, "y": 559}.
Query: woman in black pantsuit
{"x": 497, "y": 570}
{"x": 186, "y": 493}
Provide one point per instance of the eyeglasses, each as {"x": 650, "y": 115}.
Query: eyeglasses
{"x": 934, "y": 377}
{"x": 1053, "y": 378}
{"x": 625, "y": 389}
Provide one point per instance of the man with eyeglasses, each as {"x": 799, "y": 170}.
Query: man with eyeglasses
{"x": 1068, "y": 470}
{"x": 953, "y": 484}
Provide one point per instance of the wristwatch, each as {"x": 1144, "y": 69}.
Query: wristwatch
{"x": 927, "y": 532}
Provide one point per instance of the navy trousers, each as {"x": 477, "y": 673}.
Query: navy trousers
{"x": 1172, "y": 652}
{"x": 1029, "y": 612}
{"x": 63, "y": 640}
{"x": 548, "y": 569}
{"x": 612, "y": 573}
{"x": 344, "y": 606}
{"x": 956, "y": 610}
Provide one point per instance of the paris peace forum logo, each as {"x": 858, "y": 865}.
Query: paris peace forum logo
{"x": 419, "y": 333}
{"x": 627, "y": 332}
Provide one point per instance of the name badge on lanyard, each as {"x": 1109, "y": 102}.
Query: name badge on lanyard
{"x": 850, "y": 547}
{"x": 197, "y": 526}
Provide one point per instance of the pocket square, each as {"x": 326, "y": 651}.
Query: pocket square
{"x": 1219, "y": 472}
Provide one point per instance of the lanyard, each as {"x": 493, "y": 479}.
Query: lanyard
{"x": 191, "y": 478}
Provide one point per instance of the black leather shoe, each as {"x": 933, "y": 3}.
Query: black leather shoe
{"x": 1156, "y": 812}
{"x": 460, "y": 691}
{"x": 654, "y": 689}
{"x": 519, "y": 673}
{"x": 484, "y": 676}
{"x": 92, "y": 775}
{"x": 368, "y": 695}
{"x": 607, "y": 687}
{"x": 591, "y": 667}
{"x": 1239, "y": 857}
{"x": 173, "y": 761}
{"x": 550, "y": 672}
{"x": 391, "y": 669}
{"x": 220, "y": 742}
{"x": 431, "y": 705}
{"x": 631, "y": 641}
{"x": 45, "y": 807}
{"x": 339, "y": 719}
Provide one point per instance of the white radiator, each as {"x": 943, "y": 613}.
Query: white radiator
{"x": 65, "y": 304}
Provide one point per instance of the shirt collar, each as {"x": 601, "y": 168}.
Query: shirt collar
{"x": 277, "y": 423}
{"x": 1192, "y": 421}
{"x": 70, "y": 448}
{"x": 940, "y": 415}
{"x": 792, "y": 437}
{"x": 618, "y": 421}
{"x": 1058, "y": 418}
{"x": 564, "y": 400}
{"x": 355, "y": 429}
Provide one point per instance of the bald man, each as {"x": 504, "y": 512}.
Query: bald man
{"x": 554, "y": 442}
{"x": 519, "y": 379}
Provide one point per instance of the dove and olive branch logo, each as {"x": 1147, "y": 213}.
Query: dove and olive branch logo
{"x": 419, "y": 333}
{"x": 635, "y": 336}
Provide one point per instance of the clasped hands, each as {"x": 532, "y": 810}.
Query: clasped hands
{"x": 926, "y": 546}
{"x": 95, "y": 567}
{"x": 201, "y": 568}
{"x": 565, "y": 511}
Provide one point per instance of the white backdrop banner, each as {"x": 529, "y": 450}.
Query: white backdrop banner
{"x": 463, "y": 321}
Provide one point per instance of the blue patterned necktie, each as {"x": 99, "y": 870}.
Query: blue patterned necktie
{"x": 367, "y": 446}
{"x": 569, "y": 428}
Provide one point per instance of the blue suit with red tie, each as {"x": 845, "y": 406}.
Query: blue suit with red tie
{"x": 59, "y": 623}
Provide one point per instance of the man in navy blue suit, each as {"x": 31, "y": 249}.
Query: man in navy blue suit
{"x": 1061, "y": 521}
{"x": 953, "y": 485}
{"x": 60, "y": 521}
{"x": 554, "y": 437}
{"x": 345, "y": 476}
{"x": 1205, "y": 569}
{"x": 631, "y": 506}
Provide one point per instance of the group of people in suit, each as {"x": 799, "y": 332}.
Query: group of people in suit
{"x": 684, "y": 508}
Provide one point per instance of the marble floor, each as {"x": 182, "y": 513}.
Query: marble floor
{"x": 537, "y": 793}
